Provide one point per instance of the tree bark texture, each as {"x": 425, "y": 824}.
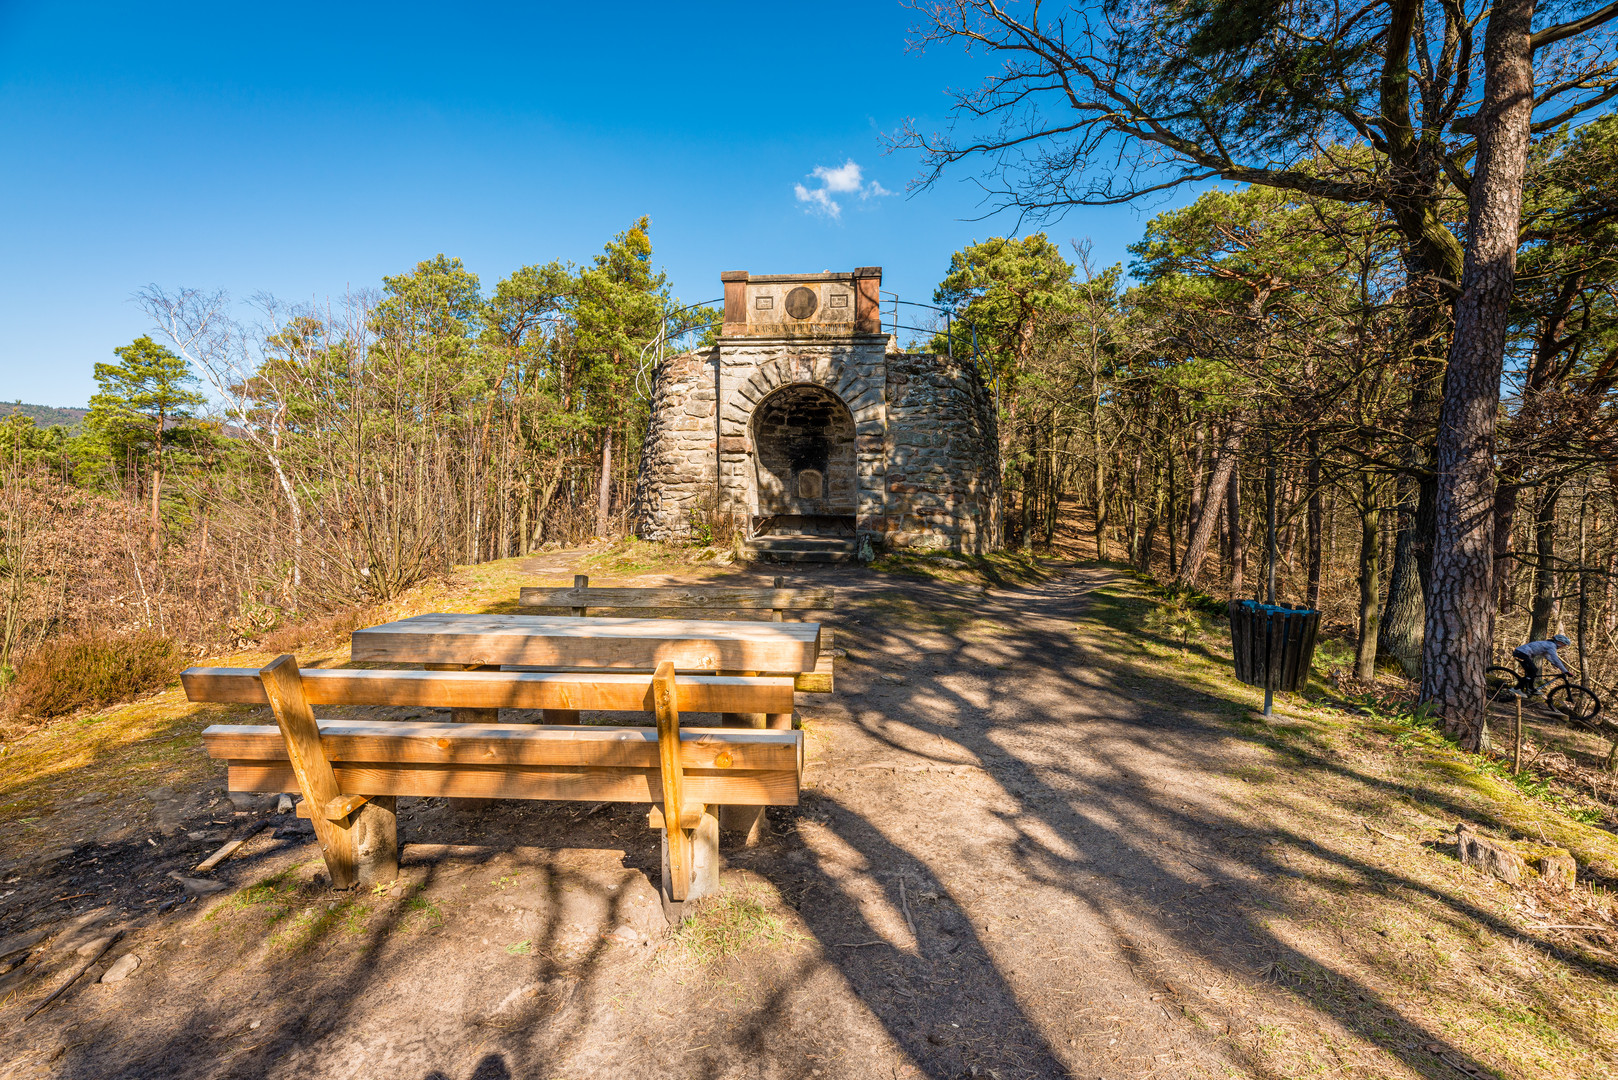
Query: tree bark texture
{"x": 1233, "y": 521}
{"x": 1539, "y": 621}
{"x": 1316, "y": 523}
{"x": 1370, "y": 579}
{"x": 1202, "y": 531}
{"x": 1460, "y": 609}
{"x": 1505, "y": 564}
{"x": 603, "y": 501}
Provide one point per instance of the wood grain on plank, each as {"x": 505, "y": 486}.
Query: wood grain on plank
{"x": 553, "y": 782}
{"x": 556, "y": 641}
{"x": 513, "y": 744}
{"x": 673, "y": 780}
{"x": 603, "y": 691}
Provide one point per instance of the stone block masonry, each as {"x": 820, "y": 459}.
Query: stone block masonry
{"x": 803, "y": 419}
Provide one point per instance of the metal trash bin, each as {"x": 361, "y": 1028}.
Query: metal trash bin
{"x": 1273, "y": 644}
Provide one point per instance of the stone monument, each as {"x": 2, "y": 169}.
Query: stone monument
{"x": 807, "y": 430}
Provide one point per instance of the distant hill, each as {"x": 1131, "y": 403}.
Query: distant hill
{"x": 45, "y": 415}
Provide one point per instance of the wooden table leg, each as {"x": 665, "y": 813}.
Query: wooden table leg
{"x": 746, "y": 821}
{"x": 470, "y": 716}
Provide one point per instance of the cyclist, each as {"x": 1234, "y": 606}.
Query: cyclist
{"x": 1531, "y": 654}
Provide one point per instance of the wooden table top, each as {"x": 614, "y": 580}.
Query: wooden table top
{"x": 565, "y": 642}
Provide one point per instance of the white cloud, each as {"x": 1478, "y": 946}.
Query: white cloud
{"x": 845, "y": 179}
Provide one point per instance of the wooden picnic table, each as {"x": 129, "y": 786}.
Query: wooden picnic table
{"x": 562, "y": 642}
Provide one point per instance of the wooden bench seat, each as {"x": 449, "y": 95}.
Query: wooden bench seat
{"x": 350, "y": 772}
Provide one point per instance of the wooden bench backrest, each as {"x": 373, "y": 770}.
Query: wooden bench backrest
{"x": 711, "y": 599}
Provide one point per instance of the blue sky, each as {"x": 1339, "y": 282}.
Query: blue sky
{"x": 300, "y": 150}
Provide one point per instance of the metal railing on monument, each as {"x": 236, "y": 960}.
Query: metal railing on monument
{"x": 673, "y": 330}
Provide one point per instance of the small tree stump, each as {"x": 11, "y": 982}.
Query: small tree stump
{"x": 1489, "y": 856}
{"x": 1558, "y": 871}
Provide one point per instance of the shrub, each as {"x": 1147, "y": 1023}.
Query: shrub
{"x": 92, "y": 671}
{"x": 333, "y": 626}
{"x": 1176, "y": 615}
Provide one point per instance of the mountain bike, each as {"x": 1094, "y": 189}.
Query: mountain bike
{"x": 1562, "y": 695}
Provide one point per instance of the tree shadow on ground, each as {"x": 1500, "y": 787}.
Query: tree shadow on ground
{"x": 1081, "y": 796}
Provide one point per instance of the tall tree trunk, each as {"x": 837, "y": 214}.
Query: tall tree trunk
{"x": 1202, "y": 531}
{"x": 1154, "y": 505}
{"x": 1233, "y": 521}
{"x": 1370, "y": 579}
{"x": 1400, "y": 631}
{"x": 1539, "y": 620}
{"x": 1316, "y": 523}
{"x": 1173, "y": 523}
{"x": 1102, "y": 503}
{"x": 1194, "y": 484}
{"x": 604, "y": 489}
{"x": 1505, "y": 521}
{"x": 157, "y": 482}
{"x": 1460, "y": 609}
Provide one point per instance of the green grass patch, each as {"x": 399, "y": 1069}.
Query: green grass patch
{"x": 728, "y": 924}
{"x": 1000, "y": 568}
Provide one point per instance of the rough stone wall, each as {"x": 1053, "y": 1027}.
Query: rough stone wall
{"x": 676, "y": 480}
{"x": 925, "y": 469}
{"x": 943, "y": 462}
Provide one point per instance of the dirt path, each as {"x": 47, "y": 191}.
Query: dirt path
{"x": 1022, "y": 853}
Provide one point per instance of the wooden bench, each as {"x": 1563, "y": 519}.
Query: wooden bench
{"x": 350, "y": 773}
{"x": 713, "y": 601}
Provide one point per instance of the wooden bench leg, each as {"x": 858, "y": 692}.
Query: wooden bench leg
{"x": 690, "y": 834}
{"x": 283, "y": 685}
{"x": 702, "y": 844}
{"x": 375, "y": 828}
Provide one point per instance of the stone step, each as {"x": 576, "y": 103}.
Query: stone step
{"x": 803, "y": 549}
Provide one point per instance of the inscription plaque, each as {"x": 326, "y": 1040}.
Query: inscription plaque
{"x": 801, "y": 302}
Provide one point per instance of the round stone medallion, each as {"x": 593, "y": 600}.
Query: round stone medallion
{"x": 801, "y": 302}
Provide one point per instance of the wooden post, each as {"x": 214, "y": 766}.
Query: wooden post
{"x": 677, "y": 883}
{"x": 284, "y": 687}
{"x": 374, "y": 828}
{"x": 690, "y": 833}
{"x": 568, "y": 716}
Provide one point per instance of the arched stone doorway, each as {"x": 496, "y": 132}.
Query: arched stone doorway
{"x": 805, "y": 476}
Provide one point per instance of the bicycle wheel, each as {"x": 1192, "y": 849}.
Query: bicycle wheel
{"x": 1576, "y": 703}
{"x": 1499, "y": 680}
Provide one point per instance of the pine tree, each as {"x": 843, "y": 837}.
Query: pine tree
{"x": 141, "y": 397}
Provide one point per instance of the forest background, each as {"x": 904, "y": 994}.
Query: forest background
{"x": 232, "y": 479}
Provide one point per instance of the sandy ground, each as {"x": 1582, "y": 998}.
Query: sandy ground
{"x": 1016, "y": 856}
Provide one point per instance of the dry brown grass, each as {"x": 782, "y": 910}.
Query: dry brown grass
{"x": 92, "y": 671}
